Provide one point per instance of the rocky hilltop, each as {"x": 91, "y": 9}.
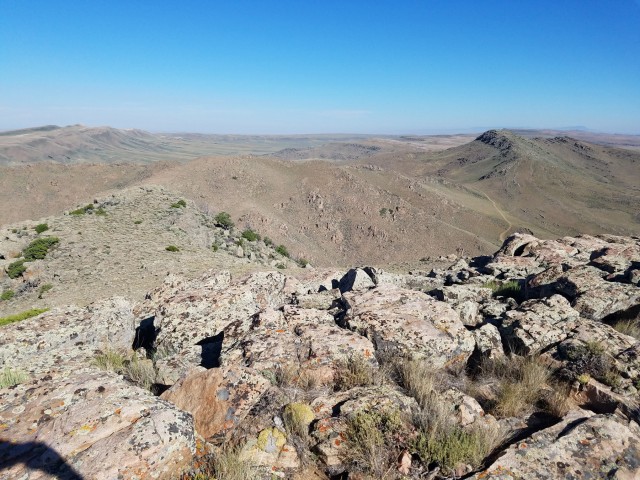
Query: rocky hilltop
{"x": 523, "y": 364}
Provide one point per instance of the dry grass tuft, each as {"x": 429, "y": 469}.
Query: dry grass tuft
{"x": 227, "y": 463}
{"x": 356, "y": 371}
{"x": 517, "y": 384}
{"x": 629, "y": 327}
{"x": 10, "y": 377}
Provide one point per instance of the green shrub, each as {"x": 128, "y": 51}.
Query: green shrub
{"x": 137, "y": 222}
{"x": 41, "y": 227}
{"x": 510, "y": 289}
{"x": 16, "y": 269}
{"x": 628, "y": 327}
{"x": 281, "y": 266}
{"x": 267, "y": 241}
{"x": 10, "y": 377}
{"x": 172, "y": 248}
{"x": 215, "y": 246}
{"x": 82, "y": 210}
{"x": 179, "y": 204}
{"x": 7, "y": 295}
{"x": 39, "y": 248}
{"x": 18, "y": 317}
{"x": 100, "y": 211}
{"x": 223, "y": 219}
{"x": 250, "y": 235}
{"x": 282, "y": 250}
{"x": 302, "y": 262}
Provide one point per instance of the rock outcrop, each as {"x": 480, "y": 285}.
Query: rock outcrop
{"x": 288, "y": 367}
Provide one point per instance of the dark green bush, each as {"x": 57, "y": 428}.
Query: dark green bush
{"x": 7, "y": 295}
{"x": 100, "y": 211}
{"x": 303, "y": 262}
{"x": 41, "y": 227}
{"x": 282, "y": 250}
{"x": 267, "y": 241}
{"x": 43, "y": 289}
{"x": 179, "y": 204}
{"x": 16, "y": 269}
{"x": 510, "y": 289}
{"x": 250, "y": 235}
{"x": 172, "y": 248}
{"x": 223, "y": 219}
{"x": 38, "y": 249}
{"x": 137, "y": 222}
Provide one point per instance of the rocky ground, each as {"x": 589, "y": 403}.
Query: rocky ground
{"x": 523, "y": 364}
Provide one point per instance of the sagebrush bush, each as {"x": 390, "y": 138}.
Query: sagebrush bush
{"x": 171, "y": 248}
{"x": 44, "y": 289}
{"x": 179, "y": 204}
{"x": 282, "y": 250}
{"x": 355, "y": 371}
{"x": 374, "y": 442}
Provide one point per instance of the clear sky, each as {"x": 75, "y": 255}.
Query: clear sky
{"x": 311, "y": 66}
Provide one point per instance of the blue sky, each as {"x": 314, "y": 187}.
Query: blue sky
{"x": 311, "y": 66}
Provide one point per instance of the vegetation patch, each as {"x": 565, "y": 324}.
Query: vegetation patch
{"x": 374, "y": 442}
{"x": 510, "y": 289}
{"x": 7, "y": 295}
{"x": 516, "y": 384}
{"x": 18, "y": 317}
{"x": 592, "y": 359}
{"x": 250, "y": 235}
{"x": 82, "y": 210}
{"x": 629, "y": 327}
{"x": 171, "y": 248}
{"x": 16, "y": 269}
{"x": 140, "y": 372}
{"x": 41, "y": 227}
{"x": 10, "y": 377}
{"x": 355, "y": 371}
{"x": 227, "y": 463}
{"x": 137, "y": 222}
{"x": 223, "y": 220}
{"x": 282, "y": 250}
{"x": 39, "y": 248}
{"x": 179, "y": 204}
{"x": 268, "y": 242}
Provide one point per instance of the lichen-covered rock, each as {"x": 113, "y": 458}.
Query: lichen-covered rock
{"x": 584, "y": 445}
{"x": 354, "y": 280}
{"x": 92, "y": 423}
{"x": 67, "y": 337}
{"x": 489, "y": 341}
{"x": 594, "y": 297}
{"x": 410, "y": 321}
{"x": 536, "y": 324}
{"x": 218, "y": 398}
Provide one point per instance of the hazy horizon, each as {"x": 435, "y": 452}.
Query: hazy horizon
{"x": 287, "y": 67}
